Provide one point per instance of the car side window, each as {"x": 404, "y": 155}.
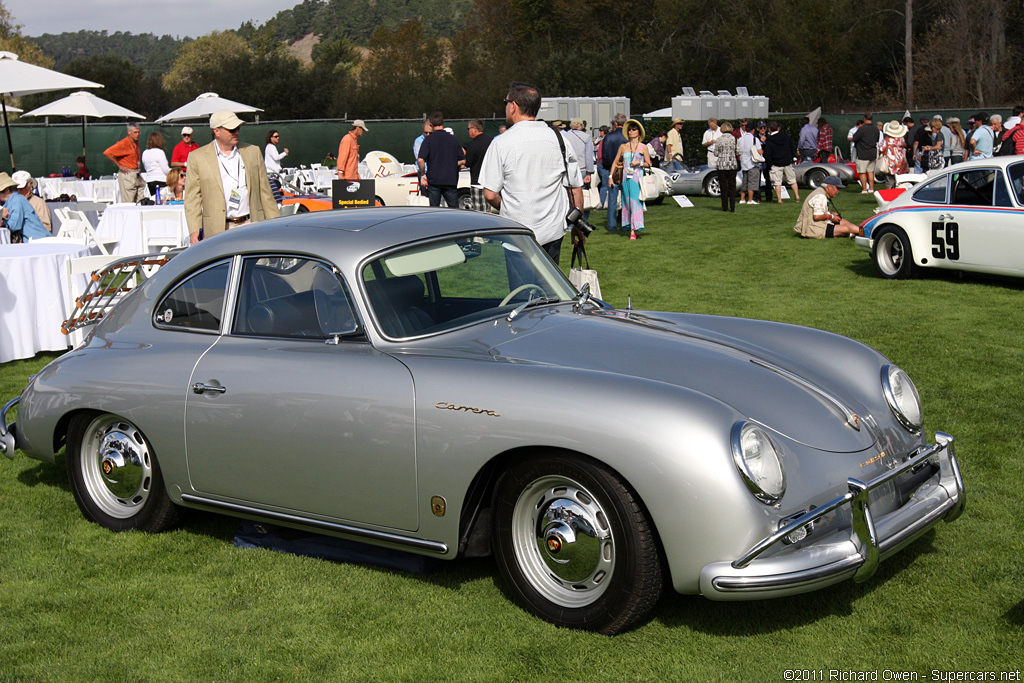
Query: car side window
{"x": 197, "y": 303}
{"x": 974, "y": 188}
{"x": 1015, "y": 174}
{"x": 293, "y": 298}
{"x": 934, "y": 191}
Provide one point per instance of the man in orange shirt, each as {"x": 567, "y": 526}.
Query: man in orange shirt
{"x": 348, "y": 152}
{"x": 126, "y": 156}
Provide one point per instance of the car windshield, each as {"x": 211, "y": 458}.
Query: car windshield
{"x": 440, "y": 285}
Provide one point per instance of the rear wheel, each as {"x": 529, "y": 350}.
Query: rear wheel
{"x": 815, "y": 176}
{"x": 892, "y": 254}
{"x": 115, "y": 477}
{"x": 574, "y": 544}
{"x": 465, "y": 199}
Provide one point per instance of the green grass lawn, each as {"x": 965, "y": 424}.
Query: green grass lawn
{"x": 78, "y": 603}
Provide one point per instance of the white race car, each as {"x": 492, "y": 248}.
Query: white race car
{"x": 965, "y": 217}
{"x": 396, "y": 185}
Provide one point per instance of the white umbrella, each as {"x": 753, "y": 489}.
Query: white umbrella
{"x": 203, "y": 106}
{"x": 84, "y": 104}
{"x": 19, "y": 78}
{"x": 814, "y": 116}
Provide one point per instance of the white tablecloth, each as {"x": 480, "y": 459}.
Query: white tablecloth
{"x": 124, "y": 224}
{"x": 84, "y": 190}
{"x": 34, "y": 296}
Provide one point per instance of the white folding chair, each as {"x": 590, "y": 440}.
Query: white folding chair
{"x": 155, "y": 243}
{"x": 105, "y": 191}
{"x": 85, "y": 265}
{"x": 83, "y": 228}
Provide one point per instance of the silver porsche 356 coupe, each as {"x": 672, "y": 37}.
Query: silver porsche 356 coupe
{"x": 427, "y": 380}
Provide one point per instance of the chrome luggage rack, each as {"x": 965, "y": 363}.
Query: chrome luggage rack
{"x": 111, "y": 283}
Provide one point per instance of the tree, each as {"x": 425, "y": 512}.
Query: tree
{"x": 124, "y": 83}
{"x": 219, "y": 62}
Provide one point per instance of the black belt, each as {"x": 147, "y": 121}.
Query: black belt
{"x": 239, "y": 219}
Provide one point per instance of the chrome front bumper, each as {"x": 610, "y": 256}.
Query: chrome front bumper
{"x": 865, "y": 243}
{"x": 851, "y": 553}
{"x": 7, "y": 441}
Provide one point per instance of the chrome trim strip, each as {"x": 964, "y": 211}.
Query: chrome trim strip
{"x": 419, "y": 543}
{"x": 753, "y": 583}
{"x": 863, "y": 524}
{"x": 851, "y": 417}
{"x": 7, "y": 444}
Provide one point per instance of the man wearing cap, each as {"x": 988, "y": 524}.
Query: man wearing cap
{"x": 816, "y": 221}
{"x": 25, "y": 184}
{"x": 126, "y": 155}
{"x": 348, "y": 152}
{"x": 983, "y": 139}
{"x": 17, "y": 215}
{"x": 674, "y": 142}
{"x": 179, "y": 155}
{"x": 524, "y": 173}
{"x": 227, "y": 185}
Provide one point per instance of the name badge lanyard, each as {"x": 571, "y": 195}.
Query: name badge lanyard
{"x": 235, "y": 198}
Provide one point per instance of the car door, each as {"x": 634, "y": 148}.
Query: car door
{"x": 979, "y": 229}
{"x": 283, "y": 413}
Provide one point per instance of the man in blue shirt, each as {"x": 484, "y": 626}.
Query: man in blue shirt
{"x": 442, "y": 154}
{"x": 18, "y": 215}
{"x": 808, "y": 142}
{"x": 983, "y": 138}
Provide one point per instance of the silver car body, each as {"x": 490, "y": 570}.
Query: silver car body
{"x": 368, "y": 436}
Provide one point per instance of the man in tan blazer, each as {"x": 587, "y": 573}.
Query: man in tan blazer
{"x": 226, "y": 186}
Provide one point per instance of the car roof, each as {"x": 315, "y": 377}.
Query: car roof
{"x": 344, "y": 237}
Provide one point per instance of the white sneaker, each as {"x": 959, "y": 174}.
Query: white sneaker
{"x": 743, "y": 201}
{"x": 752, "y": 202}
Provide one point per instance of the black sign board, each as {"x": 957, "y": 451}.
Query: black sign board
{"x": 353, "y": 194}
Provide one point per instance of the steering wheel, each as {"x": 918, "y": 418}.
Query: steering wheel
{"x": 521, "y": 288}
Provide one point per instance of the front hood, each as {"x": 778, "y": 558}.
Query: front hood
{"x": 795, "y": 393}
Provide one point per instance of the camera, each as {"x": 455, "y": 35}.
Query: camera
{"x": 575, "y": 220}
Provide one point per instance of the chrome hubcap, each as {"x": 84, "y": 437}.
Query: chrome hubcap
{"x": 116, "y": 466}
{"x": 891, "y": 251}
{"x": 563, "y": 541}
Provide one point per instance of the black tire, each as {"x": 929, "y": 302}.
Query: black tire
{"x": 465, "y": 199}
{"x": 815, "y": 176}
{"x": 574, "y": 544}
{"x": 711, "y": 186}
{"x": 115, "y": 477}
{"x": 892, "y": 254}
{"x": 379, "y": 202}
{"x": 302, "y": 209}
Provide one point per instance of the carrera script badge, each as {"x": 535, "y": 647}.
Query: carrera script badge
{"x": 444, "y": 405}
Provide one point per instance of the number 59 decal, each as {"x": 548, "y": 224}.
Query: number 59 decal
{"x": 946, "y": 241}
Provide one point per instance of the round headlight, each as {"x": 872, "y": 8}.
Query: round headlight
{"x": 758, "y": 461}
{"x": 901, "y": 394}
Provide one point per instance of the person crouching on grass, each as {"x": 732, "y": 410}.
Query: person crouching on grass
{"x": 817, "y": 221}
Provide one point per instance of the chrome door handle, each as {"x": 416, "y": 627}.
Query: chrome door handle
{"x": 944, "y": 217}
{"x": 199, "y": 388}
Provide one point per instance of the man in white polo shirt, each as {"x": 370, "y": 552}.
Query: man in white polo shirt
{"x": 524, "y": 175}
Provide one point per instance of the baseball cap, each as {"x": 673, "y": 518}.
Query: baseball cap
{"x": 21, "y": 178}
{"x": 225, "y": 119}
{"x": 358, "y": 123}
{"x": 186, "y": 130}
{"x": 832, "y": 180}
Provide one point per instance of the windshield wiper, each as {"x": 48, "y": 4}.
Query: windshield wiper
{"x": 540, "y": 301}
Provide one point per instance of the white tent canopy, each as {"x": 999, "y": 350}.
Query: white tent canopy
{"x": 19, "y": 78}
{"x": 659, "y": 113}
{"x": 203, "y": 106}
{"x": 84, "y": 104}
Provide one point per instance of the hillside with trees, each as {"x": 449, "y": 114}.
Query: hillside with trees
{"x": 400, "y": 58}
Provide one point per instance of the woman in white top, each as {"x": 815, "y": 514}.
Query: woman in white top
{"x": 154, "y": 163}
{"x": 271, "y": 157}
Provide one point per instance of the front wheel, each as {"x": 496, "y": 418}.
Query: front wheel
{"x": 574, "y": 544}
{"x": 815, "y": 177}
{"x": 711, "y": 186}
{"x": 892, "y": 253}
{"x": 115, "y": 477}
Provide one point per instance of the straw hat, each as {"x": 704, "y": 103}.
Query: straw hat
{"x": 627, "y": 124}
{"x": 894, "y": 129}
{"x": 6, "y": 182}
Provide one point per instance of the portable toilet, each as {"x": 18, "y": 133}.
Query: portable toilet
{"x": 708, "y": 105}
{"x": 686, "y": 106}
{"x": 744, "y": 104}
{"x": 726, "y": 105}
{"x": 760, "y": 107}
